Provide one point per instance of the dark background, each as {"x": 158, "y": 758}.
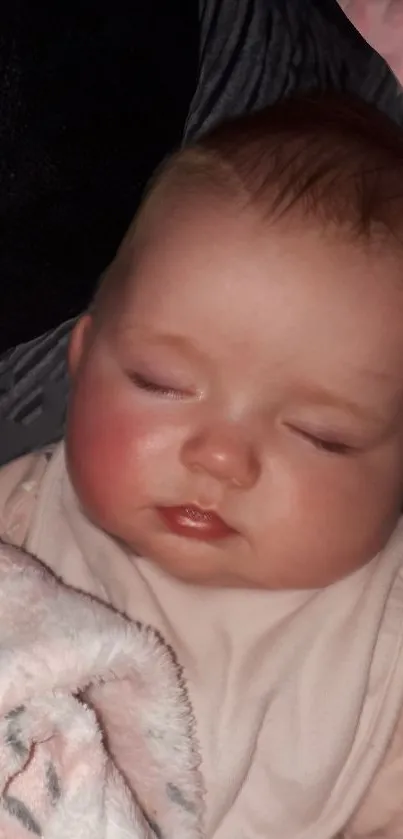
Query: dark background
{"x": 92, "y": 96}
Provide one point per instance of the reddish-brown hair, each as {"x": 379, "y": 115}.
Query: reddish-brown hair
{"x": 330, "y": 158}
{"x": 329, "y": 155}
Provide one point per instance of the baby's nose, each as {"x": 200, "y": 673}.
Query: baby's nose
{"x": 225, "y": 454}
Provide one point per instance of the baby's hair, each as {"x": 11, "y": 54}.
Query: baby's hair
{"x": 324, "y": 157}
{"x": 330, "y": 156}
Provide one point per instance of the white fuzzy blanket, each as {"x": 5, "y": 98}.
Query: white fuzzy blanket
{"x": 96, "y": 732}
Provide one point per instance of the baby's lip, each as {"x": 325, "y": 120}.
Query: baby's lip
{"x": 195, "y": 523}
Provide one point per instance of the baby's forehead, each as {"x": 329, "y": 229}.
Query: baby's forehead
{"x": 189, "y": 239}
{"x": 184, "y": 221}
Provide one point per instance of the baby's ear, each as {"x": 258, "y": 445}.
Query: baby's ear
{"x": 79, "y": 342}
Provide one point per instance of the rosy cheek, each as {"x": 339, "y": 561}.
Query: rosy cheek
{"x": 105, "y": 439}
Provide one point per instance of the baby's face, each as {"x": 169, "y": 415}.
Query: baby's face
{"x": 238, "y": 416}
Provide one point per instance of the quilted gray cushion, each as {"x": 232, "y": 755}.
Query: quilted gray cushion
{"x": 251, "y": 53}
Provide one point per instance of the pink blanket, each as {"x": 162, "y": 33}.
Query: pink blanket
{"x": 381, "y": 24}
{"x": 96, "y": 734}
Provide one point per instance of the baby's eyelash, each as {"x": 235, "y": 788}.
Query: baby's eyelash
{"x": 330, "y": 446}
{"x": 334, "y": 447}
{"x": 153, "y": 387}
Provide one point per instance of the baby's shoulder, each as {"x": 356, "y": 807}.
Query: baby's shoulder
{"x": 20, "y": 483}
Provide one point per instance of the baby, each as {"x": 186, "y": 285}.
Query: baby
{"x": 232, "y": 472}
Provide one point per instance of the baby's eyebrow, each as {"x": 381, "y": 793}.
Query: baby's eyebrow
{"x": 154, "y": 338}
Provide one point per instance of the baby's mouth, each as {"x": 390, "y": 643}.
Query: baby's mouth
{"x": 195, "y": 523}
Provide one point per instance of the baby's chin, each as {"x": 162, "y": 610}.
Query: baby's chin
{"x": 200, "y": 564}
{"x": 207, "y": 564}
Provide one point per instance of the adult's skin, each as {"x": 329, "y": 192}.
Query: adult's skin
{"x": 380, "y": 22}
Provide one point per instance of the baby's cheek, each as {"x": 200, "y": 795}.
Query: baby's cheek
{"x": 339, "y": 520}
{"x": 104, "y": 440}
{"x": 318, "y": 500}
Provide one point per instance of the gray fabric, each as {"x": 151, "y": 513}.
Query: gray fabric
{"x": 33, "y": 393}
{"x": 251, "y": 53}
